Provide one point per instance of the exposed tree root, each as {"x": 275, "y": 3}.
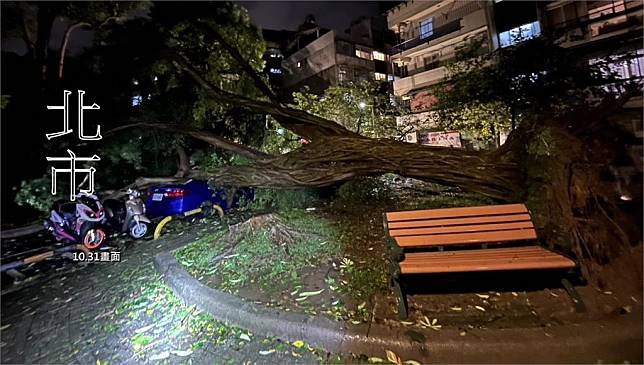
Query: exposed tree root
{"x": 278, "y": 232}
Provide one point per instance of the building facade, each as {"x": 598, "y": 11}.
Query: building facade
{"x": 595, "y": 29}
{"x": 430, "y": 33}
{"x": 333, "y": 58}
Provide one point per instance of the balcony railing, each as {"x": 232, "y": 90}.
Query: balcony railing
{"x": 632, "y": 11}
{"x": 441, "y": 31}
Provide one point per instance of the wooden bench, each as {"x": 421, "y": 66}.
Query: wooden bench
{"x": 424, "y": 242}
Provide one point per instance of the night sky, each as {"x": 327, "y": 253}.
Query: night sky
{"x": 335, "y": 15}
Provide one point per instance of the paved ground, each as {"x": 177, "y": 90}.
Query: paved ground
{"x": 121, "y": 313}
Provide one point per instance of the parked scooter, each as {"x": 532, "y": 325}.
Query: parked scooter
{"x": 128, "y": 215}
{"x": 79, "y": 221}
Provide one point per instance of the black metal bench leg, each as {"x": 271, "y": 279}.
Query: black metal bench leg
{"x": 576, "y": 299}
{"x": 402, "y": 299}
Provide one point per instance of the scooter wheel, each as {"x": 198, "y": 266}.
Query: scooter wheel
{"x": 93, "y": 238}
{"x": 138, "y": 230}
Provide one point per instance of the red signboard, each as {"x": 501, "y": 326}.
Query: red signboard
{"x": 445, "y": 139}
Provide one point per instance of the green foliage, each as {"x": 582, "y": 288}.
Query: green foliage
{"x": 4, "y": 101}
{"x": 283, "y": 199}
{"x": 479, "y": 121}
{"x": 511, "y": 82}
{"x": 170, "y": 96}
{"x": 37, "y": 193}
{"x": 361, "y": 190}
{"x": 259, "y": 260}
{"x": 360, "y": 107}
{"x": 278, "y": 140}
{"x": 543, "y": 144}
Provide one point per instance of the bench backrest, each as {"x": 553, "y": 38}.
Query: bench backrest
{"x": 457, "y": 226}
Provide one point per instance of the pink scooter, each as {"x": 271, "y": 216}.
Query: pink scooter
{"x": 80, "y": 221}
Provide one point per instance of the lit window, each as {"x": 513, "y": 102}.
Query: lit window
{"x": 378, "y": 56}
{"x": 363, "y": 54}
{"x": 520, "y": 34}
{"x": 624, "y": 69}
{"x": 426, "y": 28}
{"x": 610, "y": 7}
{"x": 136, "y": 100}
{"x": 379, "y": 76}
{"x": 275, "y": 71}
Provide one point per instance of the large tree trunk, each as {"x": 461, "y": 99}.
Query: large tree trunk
{"x": 552, "y": 164}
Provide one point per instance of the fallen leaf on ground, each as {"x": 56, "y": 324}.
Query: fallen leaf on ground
{"x": 412, "y": 362}
{"x": 608, "y": 292}
{"x": 310, "y": 293}
{"x": 375, "y": 360}
{"x": 479, "y": 308}
{"x": 267, "y": 352}
{"x": 143, "y": 329}
{"x": 392, "y": 357}
{"x": 298, "y": 343}
{"x": 160, "y": 356}
{"x": 362, "y": 305}
{"x": 457, "y": 309}
{"x": 484, "y": 296}
{"x": 245, "y": 337}
{"x": 182, "y": 353}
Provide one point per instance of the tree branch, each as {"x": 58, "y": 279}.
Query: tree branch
{"x": 205, "y": 136}
{"x": 297, "y": 121}
{"x": 234, "y": 52}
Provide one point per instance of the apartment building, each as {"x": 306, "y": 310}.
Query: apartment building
{"x": 332, "y": 58}
{"x": 597, "y": 29}
{"x": 430, "y": 33}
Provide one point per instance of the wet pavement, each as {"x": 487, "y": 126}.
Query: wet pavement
{"x": 121, "y": 313}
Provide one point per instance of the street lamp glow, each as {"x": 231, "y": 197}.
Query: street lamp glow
{"x": 362, "y": 105}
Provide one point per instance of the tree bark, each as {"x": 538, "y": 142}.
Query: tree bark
{"x": 183, "y": 162}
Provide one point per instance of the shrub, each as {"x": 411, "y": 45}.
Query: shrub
{"x": 362, "y": 190}
{"x": 37, "y": 193}
{"x": 283, "y": 199}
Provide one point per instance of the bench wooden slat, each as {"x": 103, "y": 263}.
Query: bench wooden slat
{"x": 456, "y": 212}
{"x": 514, "y": 258}
{"x": 460, "y": 221}
{"x": 464, "y": 238}
{"x": 513, "y": 251}
{"x": 460, "y": 229}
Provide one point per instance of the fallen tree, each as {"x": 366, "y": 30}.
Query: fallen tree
{"x": 554, "y": 163}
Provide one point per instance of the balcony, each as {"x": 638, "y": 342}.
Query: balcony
{"x": 425, "y": 78}
{"x": 439, "y": 32}
{"x": 586, "y": 28}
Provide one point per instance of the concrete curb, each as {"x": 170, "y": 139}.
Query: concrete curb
{"x": 611, "y": 341}
{"x": 22, "y": 231}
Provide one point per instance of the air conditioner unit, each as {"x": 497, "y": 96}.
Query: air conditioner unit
{"x": 412, "y": 137}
